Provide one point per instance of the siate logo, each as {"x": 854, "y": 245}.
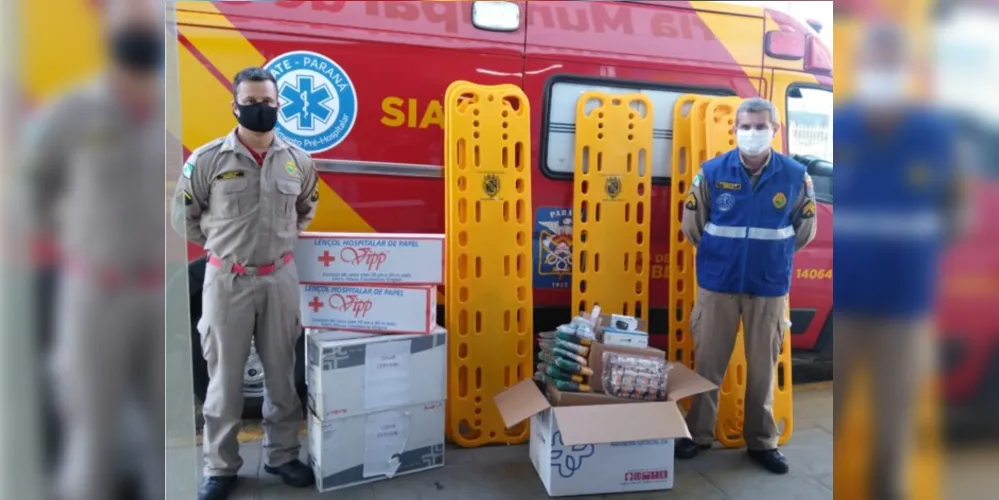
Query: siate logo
{"x": 364, "y": 256}
{"x": 351, "y": 303}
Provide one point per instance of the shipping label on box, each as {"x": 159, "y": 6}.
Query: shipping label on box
{"x": 363, "y": 258}
{"x": 349, "y": 451}
{"x": 376, "y": 309}
{"x": 355, "y": 373}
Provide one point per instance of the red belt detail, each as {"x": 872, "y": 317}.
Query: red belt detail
{"x": 260, "y": 270}
{"x": 114, "y": 278}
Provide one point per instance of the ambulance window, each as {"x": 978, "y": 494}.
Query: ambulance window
{"x": 809, "y": 122}
{"x": 558, "y": 158}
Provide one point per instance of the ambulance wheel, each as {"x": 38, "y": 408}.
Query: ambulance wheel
{"x": 253, "y": 373}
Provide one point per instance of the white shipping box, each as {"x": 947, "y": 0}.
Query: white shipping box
{"x": 359, "y": 449}
{"x": 350, "y": 373}
{"x": 375, "y": 309}
{"x": 633, "y": 338}
{"x": 370, "y": 258}
{"x": 589, "y": 444}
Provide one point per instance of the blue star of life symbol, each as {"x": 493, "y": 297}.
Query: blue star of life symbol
{"x": 306, "y": 104}
{"x": 318, "y": 100}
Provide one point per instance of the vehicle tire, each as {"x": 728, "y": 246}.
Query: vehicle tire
{"x": 252, "y": 405}
{"x": 824, "y": 345}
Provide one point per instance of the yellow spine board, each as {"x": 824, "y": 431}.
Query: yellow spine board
{"x": 681, "y": 277}
{"x": 611, "y": 203}
{"x": 489, "y": 300}
{"x": 853, "y": 452}
{"x": 711, "y": 121}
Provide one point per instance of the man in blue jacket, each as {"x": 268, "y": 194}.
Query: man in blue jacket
{"x": 747, "y": 212}
{"x": 902, "y": 184}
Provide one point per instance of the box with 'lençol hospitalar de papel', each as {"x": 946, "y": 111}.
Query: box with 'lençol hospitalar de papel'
{"x": 372, "y": 309}
{"x": 370, "y": 258}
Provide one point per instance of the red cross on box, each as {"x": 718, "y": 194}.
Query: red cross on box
{"x": 316, "y": 305}
{"x": 326, "y": 258}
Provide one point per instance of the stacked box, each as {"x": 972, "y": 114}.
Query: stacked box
{"x": 377, "y": 283}
{"x": 376, "y": 405}
{"x": 376, "y": 402}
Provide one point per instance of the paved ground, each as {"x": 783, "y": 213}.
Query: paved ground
{"x": 500, "y": 473}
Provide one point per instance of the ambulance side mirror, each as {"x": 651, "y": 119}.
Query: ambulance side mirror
{"x": 496, "y": 16}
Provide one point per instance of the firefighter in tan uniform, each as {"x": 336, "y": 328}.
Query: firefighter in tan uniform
{"x": 748, "y": 212}
{"x": 245, "y": 198}
{"x": 93, "y": 161}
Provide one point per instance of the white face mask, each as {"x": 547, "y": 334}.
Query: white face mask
{"x": 881, "y": 88}
{"x": 754, "y": 142}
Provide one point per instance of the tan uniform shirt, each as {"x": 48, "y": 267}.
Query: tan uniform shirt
{"x": 696, "y": 214}
{"x": 93, "y": 175}
{"x": 240, "y": 211}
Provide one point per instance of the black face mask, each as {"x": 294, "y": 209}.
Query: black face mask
{"x": 257, "y": 117}
{"x": 138, "y": 49}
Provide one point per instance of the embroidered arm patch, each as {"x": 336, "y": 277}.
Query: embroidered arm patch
{"x": 691, "y": 202}
{"x": 808, "y": 211}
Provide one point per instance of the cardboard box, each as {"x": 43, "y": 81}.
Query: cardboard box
{"x": 345, "y": 452}
{"x": 374, "y": 309}
{"x": 596, "y": 360}
{"x": 352, "y": 373}
{"x": 370, "y": 258}
{"x": 613, "y": 332}
{"x": 591, "y": 449}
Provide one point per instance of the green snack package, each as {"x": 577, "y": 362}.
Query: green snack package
{"x": 554, "y": 372}
{"x": 562, "y": 353}
{"x": 546, "y": 356}
{"x": 569, "y": 346}
{"x": 565, "y": 385}
{"x": 573, "y": 338}
{"x": 572, "y": 367}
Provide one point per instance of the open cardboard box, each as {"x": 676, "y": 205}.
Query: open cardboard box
{"x": 587, "y": 444}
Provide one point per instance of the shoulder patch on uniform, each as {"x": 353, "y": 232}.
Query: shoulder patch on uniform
{"x": 232, "y": 174}
{"x": 809, "y": 187}
{"x": 691, "y": 203}
{"x": 731, "y": 186}
{"x": 808, "y": 211}
{"x": 289, "y": 166}
{"x": 192, "y": 160}
{"x": 698, "y": 178}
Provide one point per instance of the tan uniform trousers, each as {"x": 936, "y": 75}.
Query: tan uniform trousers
{"x": 714, "y": 325}
{"x": 899, "y": 357}
{"x": 108, "y": 356}
{"x": 236, "y": 309}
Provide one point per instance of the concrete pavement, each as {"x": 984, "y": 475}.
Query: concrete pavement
{"x": 506, "y": 473}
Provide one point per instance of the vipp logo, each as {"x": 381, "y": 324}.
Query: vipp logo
{"x": 351, "y": 303}
{"x": 568, "y": 460}
{"x": 365, "y": 256}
